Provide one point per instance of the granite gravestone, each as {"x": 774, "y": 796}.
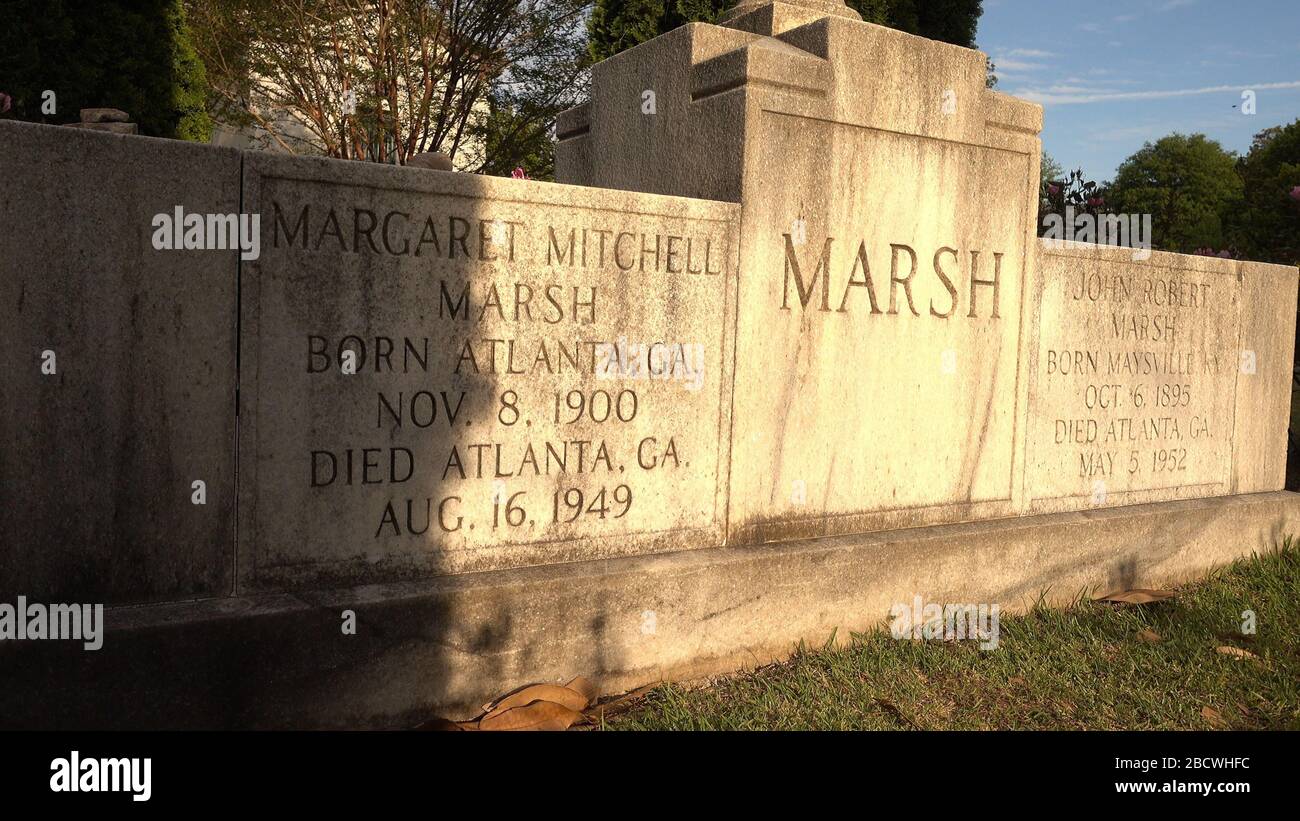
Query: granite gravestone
{"x": 446, "y": 373}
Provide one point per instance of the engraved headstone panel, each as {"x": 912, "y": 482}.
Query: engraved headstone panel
{"x": 884, "y": 268}
{"x": 880, "y": 332}
{"x": 1135, "y": 377}
{"x": 445, "y": 373}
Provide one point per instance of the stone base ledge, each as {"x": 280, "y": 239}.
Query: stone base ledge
{"x": 449, "y": 644}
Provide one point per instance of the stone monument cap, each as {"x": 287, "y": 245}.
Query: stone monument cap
{"x": 104, "y": 115}
{"x": 829, "y": 8}
{"x": 432, "y": 160}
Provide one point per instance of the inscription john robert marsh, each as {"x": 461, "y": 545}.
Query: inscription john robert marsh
{"x": 448, "y": 383}
{"x": 1134, "y": 383}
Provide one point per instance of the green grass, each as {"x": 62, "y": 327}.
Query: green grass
{"x": 1080, "y": 667}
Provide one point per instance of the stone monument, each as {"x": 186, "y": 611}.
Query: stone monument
{"x": 780, "y": 350}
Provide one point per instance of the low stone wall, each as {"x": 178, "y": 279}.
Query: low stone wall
{"x": 446, "y": 646}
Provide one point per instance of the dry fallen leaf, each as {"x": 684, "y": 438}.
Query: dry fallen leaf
{"x": 534, "y": 707}
{"x": 1149, "y": 636}
{"x": 1212, "y": 715}
{"x": 538, "y": 715}
{"x": 571, "y": 699}
{"x": 1238, "y": 652}
{"x": 585, "y": 687}
{"x": 897, "y": 713}
{"x": 1243, "y": 637}
{"x": 1137, "y": 596}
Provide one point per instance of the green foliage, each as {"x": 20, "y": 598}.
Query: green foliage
{"x": 1049, "y": 171}
{"x": 616, "y": 25}
{"x": 951, "y": 21}
{"x": 1067, "y": 194}
{"x": 517, "y": 129}
{"x": 189, "y": 89}
{"x": 512, "y": 139}
{"x": 1190, "y": 186}
{"x": 135, "y": 56}
{"x": 1267, "y": 227}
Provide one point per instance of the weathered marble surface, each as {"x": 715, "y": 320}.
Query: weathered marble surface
{"x": 1156, "y": 379}
{"x": 896, "y": 317}
{"x": 897, "y": 335}
{"x": 98, "y": 459}
{"x": 542, "y": 373}
{"x": 886, "y": 242}
{"x": 905, "y": 353}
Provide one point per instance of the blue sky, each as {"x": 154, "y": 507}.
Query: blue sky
{"x": 1113, "y": 74}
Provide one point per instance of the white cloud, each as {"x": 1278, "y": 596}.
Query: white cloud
{"x": 1141, "y": 133}
{"x": 1029, "y": 52}
{"x": 1016, "y": 65}
{"x": 1049, "y": 96}
{"x": 1020, "y": 60}
{"x": 1072, "y": 88}
{"x": 1152, "y": 131}
{"x": 1170, "y": 5}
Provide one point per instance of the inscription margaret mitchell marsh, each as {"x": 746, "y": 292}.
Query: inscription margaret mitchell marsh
{"x": 532, "y": 383}
{"x": 401, "y": 233}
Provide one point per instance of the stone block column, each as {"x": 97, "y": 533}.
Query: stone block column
{"x": 889, "y": 204}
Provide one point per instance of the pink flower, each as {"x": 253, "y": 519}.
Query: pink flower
{"x": 5, "y": 102}
{"x": 1096, "y": 202}
{"x": 519, "y": 173}
{"x": 1295, "y": 192}
{"x": 1053, "y": 189}
{"x": 1225, "y": 254}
